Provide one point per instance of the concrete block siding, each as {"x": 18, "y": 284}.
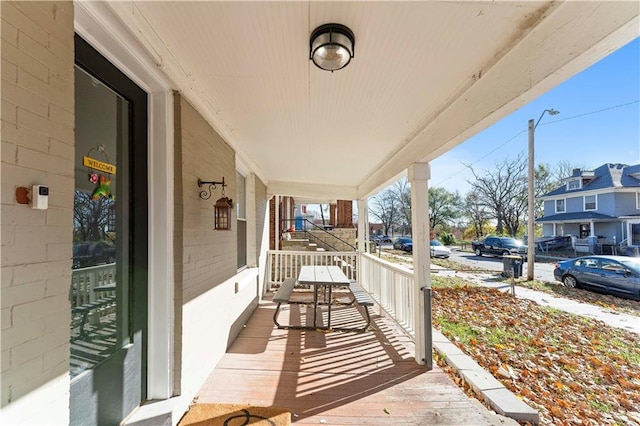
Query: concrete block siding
{"x": 37, "y": 148}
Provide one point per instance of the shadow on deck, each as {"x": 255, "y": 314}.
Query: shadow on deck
{"x": 337, "y": 377}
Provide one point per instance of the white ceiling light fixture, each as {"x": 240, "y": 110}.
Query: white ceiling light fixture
{"x": 331, "y": 46}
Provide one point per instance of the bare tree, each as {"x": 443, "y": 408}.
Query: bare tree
{"x": 564, "y": 169}
{"x": 322, "y": 214}
{"x": 90, "y": 217}
{"x": 502, "y": 191}
{"x": 544, "y": 182}
{"x": 477, "y": 213}
{"x": 402, "y": 192}
{"x": 384, "y": 207}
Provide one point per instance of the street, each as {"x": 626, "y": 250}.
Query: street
{"x": 542, "y": 271}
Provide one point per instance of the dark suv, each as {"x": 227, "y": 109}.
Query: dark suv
{"x": 499, "y": 246}
{"x": 93, "y": 253}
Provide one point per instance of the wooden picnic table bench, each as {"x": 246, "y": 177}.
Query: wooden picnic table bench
{"x": 360, "y": 298}
{"x": 81, "y": 313}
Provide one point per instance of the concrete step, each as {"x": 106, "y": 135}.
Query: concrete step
{"x": 494, "y": 393}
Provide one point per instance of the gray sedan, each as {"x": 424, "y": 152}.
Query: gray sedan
{"x": 619, "y": 275}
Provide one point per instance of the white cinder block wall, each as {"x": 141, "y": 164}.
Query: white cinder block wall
{"x": 37, "y": 148}
{"x": 213, "y": 294}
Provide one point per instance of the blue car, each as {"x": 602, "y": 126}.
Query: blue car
{"x": 618, "y": 275}
{"x": 404, "y": 244}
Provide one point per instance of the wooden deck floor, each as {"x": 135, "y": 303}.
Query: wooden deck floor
{"x": 337, "y": 378}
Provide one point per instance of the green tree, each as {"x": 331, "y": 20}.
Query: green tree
{"x": 444, "y": 207}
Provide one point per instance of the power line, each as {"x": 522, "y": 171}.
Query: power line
{"x": 590, "y": 113}
{"x": 468, "y": 166}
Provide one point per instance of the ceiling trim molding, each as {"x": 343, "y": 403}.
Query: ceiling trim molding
{"x": 312, "y": 191}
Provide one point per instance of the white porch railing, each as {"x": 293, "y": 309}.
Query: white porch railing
{"x": 392, "y": 287}
{"x": 283, "y": 264}
{"x": 84, "y": 281}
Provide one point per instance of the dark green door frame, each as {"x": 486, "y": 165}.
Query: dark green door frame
{"x": 107, "y": 393}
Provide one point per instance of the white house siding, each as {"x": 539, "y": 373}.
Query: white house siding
{"x": 214, "y": 296}
{"x": 37, "y": 148}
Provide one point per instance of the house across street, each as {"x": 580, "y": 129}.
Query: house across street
{"x": 599, "y": 209}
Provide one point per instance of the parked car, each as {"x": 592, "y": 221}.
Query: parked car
{"x": 439, "y": 250}
{"x": 499, "y": 246}
{"x": 404, "y": 244}
{"x": 380, "y": 239}
{"x": 619, "y": 275}
{"x": 384, "y": 239}
{"x": 93, "y": 253}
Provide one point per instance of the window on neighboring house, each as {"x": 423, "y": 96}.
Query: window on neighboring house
{"x": 560, "y": 206}
{"x": 635, "y": 234}
{"x": 241, "y": 215}
{"x": 590, "y": 202}
{"x": 574, "y": 184}
{"x": 637, "y": 200}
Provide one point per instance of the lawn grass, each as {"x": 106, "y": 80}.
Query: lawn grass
{"x": 574, "y": 370}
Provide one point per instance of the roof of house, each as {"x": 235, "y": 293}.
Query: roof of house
{"x": 574, "y": 216}
{"x": 609, "y": 175}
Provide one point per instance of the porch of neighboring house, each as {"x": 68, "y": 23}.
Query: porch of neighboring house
{"x": 336, "y": 377}
{"x": 580, "y": 238}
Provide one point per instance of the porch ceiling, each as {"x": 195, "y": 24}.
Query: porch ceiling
{"x": 426, "y": 76}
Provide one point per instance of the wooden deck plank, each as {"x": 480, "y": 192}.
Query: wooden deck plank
{"x": 337, "y": 377}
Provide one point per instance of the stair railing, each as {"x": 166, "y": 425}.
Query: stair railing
{"x": 287, "y": 224}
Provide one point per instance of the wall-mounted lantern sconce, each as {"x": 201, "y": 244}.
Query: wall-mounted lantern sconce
{"x": 222, "y": 207}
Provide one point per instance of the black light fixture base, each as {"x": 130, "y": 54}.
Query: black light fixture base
{"x": 205, "y": 194}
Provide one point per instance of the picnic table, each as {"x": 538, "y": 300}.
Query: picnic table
{"x": 327, "y": 276}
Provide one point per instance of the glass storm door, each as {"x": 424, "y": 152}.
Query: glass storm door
{"x": 108, "y": 291}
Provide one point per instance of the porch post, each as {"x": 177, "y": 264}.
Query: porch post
{"x": 592, "y": 230}
{"x": 418, "y": 175}
{"x": 276, "y": 223}
{"x": 250, "y": 214}
{"x": 363, "y": 225}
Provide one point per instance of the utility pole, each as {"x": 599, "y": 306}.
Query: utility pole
{"x": 531, "y": 241}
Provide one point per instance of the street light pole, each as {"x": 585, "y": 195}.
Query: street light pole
{"x": 531, "y": 249}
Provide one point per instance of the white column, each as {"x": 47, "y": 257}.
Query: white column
{"x": 592, "y": 230}
{"x": 418, "y": 176}
{"x": 555, "y": 230}
{"x": 276, "y": 222}
{"x": 252, "y": 241}
{"x": 363, "y": 225}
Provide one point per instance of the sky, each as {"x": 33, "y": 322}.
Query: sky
{"x": 599, "y": 122}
